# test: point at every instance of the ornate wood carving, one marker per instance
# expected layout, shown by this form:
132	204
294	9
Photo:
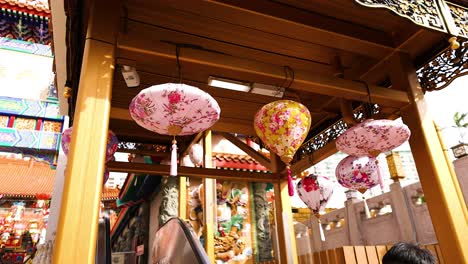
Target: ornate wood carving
132	147
422	12
460	18
446	67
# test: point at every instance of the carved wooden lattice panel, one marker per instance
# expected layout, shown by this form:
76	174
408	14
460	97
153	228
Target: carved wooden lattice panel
460	18
422	12
443	69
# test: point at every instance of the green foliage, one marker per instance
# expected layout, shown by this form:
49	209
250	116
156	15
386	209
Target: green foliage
459	119
460	123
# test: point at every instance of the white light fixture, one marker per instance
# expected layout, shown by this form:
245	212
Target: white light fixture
130	75
229	84
268	90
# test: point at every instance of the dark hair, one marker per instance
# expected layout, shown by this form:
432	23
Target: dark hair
406	253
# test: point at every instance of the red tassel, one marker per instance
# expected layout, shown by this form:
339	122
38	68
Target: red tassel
290	182
174	158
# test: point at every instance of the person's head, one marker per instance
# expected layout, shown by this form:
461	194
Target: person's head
405	253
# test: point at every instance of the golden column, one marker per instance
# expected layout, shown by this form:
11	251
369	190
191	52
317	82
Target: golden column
283	217
209	197
78	220
448	211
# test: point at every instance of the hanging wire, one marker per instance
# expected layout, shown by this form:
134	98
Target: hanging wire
292	75
179	71
368	107
286	77
288	80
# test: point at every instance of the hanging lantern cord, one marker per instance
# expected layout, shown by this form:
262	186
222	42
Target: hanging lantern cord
369	105
288	79
179	71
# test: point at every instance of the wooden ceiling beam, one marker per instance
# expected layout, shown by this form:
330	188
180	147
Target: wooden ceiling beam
304	81
271	15
264	20
197	173
154	33
225	124
249	150
127	129
161	14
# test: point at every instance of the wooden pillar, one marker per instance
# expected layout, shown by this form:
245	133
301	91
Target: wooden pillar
78	220
183	197
445	206
284	224
209	186
286	237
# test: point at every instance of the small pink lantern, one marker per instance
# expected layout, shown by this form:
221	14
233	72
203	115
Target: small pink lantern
112	143
372	137
359	174
315	191
174	109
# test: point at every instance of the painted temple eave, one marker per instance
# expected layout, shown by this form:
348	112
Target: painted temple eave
40	8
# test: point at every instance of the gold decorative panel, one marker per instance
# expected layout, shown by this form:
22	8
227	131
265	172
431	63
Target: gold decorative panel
51	126
25	123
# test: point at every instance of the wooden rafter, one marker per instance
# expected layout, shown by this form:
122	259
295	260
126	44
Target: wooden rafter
195	140
249	150
198	173
304	81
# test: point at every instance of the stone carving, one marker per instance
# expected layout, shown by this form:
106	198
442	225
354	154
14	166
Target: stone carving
262	222
422	12
443	69
170	202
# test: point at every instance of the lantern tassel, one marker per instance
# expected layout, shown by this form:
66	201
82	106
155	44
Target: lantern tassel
174	158
322	233
366	208
379	174
290	182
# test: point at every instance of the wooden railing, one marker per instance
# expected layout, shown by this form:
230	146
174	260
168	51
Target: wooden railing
357	255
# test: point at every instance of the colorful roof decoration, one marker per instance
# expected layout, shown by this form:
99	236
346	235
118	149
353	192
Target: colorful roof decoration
25	179
37	7
22	178
237	162
24	26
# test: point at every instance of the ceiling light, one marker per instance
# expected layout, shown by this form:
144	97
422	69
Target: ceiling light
130	75
229	84
268	90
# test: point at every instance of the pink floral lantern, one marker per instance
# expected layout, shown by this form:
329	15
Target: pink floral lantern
372	137
112	143
315	191
174	109
359	174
